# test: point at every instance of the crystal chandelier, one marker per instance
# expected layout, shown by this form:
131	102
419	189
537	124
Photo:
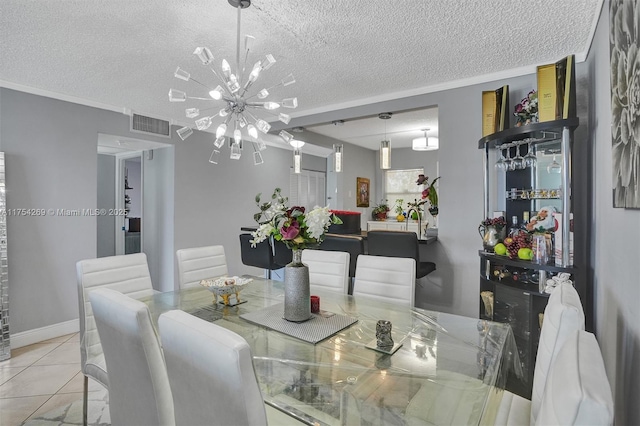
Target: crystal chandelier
239	104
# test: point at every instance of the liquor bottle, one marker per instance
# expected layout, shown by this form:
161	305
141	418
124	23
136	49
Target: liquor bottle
525	220
515	227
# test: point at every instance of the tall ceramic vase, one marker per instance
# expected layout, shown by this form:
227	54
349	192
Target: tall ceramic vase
297	302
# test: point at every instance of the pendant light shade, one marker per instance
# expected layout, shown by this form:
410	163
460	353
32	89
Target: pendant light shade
297	160
385	155
385	145
337	158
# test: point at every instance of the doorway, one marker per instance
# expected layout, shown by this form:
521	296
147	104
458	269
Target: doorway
121	193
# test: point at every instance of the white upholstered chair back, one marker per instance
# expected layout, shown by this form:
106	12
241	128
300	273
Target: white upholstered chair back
200	263
128	274
577	391
563	316
392	279
328	270
211	373
139	391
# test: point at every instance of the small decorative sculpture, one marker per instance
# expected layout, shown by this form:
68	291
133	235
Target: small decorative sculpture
383	334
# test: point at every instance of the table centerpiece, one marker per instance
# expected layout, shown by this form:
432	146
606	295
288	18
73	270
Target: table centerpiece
298	230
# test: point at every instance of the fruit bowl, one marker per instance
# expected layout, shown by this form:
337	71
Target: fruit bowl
226	286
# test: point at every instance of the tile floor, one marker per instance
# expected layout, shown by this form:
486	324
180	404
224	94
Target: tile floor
40	378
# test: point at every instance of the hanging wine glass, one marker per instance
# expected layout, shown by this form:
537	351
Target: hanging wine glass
500	163
554	167
518	161
508	161
530	159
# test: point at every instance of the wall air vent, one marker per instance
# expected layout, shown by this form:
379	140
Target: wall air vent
155	126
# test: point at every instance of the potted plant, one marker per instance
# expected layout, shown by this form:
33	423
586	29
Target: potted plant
399	211
379	212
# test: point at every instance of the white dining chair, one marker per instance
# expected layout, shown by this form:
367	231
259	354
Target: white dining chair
128	274
200	263
563	316
139	390
577	391
328	270
211	373
391	279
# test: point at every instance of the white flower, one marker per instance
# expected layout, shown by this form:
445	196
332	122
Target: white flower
261	234
317	221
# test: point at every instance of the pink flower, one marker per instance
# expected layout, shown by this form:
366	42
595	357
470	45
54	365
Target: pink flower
425	193
290	230
518	108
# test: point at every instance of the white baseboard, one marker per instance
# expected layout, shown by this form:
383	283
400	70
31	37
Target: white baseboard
29	337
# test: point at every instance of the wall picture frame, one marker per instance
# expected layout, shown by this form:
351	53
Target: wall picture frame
625	136
363	190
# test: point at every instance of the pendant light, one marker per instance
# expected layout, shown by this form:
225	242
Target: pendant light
385	145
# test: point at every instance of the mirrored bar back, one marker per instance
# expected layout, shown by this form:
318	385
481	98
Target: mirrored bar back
5	347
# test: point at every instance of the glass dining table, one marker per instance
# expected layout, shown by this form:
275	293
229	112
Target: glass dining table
450	369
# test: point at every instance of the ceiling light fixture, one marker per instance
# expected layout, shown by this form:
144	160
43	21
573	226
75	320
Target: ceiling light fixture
239	104
425	143
385	145
296	143
337	158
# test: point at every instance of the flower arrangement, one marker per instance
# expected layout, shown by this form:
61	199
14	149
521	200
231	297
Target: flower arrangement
429	195
380	210
527	110
294	226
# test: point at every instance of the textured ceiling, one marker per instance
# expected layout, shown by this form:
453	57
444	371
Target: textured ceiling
122	53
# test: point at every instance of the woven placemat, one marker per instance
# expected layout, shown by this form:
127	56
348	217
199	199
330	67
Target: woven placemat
319	327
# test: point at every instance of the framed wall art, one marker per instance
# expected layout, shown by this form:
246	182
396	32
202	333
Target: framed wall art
624	41
362	191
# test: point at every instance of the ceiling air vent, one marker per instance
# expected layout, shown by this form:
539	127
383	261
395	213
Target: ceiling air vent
155	126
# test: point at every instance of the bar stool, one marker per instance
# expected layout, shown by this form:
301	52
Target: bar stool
398	244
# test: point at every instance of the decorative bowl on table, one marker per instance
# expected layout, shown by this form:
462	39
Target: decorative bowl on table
225	287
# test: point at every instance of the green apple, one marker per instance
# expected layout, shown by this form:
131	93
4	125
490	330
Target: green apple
500	249
525	253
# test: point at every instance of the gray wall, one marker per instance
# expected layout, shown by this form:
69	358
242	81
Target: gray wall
615	240
54	166
106	198
213	202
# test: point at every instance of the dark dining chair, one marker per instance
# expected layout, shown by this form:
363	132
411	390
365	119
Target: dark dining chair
264	255
260	256
351	244
398	244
